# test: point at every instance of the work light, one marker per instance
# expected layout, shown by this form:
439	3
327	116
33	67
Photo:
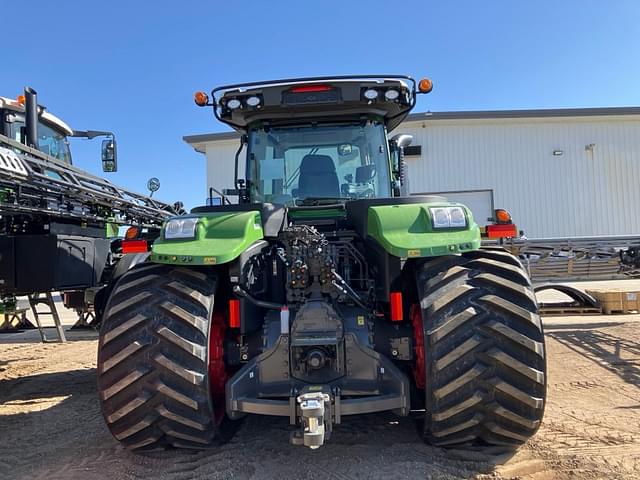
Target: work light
180	228
448	217
253	101
233	104
370	94
457	218
391	94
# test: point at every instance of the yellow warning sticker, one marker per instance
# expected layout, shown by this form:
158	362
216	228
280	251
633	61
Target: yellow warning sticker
209	260
413	253
360	320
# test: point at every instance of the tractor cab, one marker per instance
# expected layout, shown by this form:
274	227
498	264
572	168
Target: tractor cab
318	140
307	164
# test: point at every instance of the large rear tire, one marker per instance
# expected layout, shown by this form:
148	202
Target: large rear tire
484	353
153	358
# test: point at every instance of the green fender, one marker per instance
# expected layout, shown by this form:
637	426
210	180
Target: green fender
407	231
219	238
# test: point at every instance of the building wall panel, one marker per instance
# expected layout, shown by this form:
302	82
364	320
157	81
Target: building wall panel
585	191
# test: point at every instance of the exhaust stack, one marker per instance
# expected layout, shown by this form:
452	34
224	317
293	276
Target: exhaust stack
31	117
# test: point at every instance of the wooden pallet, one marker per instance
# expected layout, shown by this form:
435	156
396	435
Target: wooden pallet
617	301
550	311
608	311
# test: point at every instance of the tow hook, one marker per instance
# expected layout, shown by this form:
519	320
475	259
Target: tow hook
312	407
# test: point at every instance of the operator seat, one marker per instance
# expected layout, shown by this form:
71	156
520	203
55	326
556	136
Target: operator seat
365	173
318	177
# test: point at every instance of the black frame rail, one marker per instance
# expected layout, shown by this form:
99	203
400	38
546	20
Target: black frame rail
575	258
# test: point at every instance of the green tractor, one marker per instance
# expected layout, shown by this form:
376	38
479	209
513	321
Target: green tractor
324	292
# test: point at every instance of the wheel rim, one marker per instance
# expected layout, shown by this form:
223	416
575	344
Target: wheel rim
419	371
217	369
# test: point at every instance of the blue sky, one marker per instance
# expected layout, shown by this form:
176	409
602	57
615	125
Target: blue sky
132	67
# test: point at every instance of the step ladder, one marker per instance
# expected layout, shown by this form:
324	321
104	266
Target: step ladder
35	300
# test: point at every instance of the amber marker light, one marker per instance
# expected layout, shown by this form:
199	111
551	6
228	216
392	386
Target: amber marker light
132	233
201	99
21	99
502	216
425	85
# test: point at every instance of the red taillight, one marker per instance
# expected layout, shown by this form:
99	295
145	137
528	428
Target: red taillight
135	246
501	231
234	313
311	88
396	306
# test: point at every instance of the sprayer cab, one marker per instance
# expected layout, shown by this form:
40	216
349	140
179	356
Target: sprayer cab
29	123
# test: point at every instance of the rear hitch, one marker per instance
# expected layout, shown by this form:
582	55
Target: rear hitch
313	408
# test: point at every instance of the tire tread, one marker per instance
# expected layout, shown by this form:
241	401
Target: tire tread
152	359
485	354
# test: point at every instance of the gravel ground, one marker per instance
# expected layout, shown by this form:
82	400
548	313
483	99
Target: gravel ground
51	426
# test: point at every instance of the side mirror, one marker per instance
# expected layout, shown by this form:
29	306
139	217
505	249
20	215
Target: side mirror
398	144
153	185
109	155
402	140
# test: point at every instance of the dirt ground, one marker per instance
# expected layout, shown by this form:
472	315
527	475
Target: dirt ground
51	426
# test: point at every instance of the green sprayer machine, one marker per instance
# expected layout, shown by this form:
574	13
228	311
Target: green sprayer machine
59	224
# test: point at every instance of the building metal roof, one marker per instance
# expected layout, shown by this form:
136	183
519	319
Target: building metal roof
462	115
536	113
208	137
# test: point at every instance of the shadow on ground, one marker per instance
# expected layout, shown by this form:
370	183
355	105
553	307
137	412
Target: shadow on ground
33	336
600	347
69	440
73	382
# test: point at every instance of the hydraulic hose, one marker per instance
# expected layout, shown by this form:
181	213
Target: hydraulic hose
239	291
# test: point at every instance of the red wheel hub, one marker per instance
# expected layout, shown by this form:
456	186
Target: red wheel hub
419	371
217	369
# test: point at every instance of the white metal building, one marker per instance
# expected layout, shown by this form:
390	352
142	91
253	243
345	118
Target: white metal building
561	173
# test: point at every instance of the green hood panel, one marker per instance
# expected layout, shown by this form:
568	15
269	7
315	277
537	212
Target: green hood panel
220	238
406	231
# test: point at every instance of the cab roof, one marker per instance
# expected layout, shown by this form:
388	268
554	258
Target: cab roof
316	99
10	104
